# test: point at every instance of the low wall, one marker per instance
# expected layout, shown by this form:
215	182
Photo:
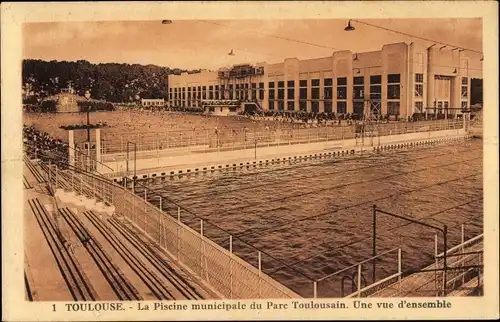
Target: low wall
194	162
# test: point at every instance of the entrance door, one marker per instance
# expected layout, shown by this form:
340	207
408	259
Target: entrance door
443	107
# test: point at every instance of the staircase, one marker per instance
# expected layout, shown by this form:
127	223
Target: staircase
82	203
74	190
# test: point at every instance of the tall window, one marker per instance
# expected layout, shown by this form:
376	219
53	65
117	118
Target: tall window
237	91
199	92
375	93
303	95
217	92
231	93
281	90
464	92
341	95
204	92
210	92
254	91
290	95
271	91
245	92
358	91
327	90
342	88
419	85
341	107
315	89
271	95
261	91
315	95
183	93
464	88
358	87
328	95
393	93
393	86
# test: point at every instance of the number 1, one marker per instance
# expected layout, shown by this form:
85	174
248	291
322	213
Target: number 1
53	307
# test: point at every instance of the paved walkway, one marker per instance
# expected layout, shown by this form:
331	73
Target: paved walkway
193	160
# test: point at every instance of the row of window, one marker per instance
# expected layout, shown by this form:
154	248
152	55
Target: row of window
393	108
153	103
242	91
328	82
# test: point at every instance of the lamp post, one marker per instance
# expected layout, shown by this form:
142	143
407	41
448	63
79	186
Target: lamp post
87	96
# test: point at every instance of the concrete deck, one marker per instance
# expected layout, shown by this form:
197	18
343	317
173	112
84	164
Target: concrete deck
46	282
192	160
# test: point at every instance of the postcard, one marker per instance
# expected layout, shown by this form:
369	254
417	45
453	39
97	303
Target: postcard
249	160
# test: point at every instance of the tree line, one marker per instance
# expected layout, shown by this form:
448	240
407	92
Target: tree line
108	81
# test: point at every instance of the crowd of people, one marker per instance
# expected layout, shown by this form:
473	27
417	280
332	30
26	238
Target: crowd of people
42	146
324	118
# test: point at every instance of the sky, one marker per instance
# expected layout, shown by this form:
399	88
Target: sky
194	44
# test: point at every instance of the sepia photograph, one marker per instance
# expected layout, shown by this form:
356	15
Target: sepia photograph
310	159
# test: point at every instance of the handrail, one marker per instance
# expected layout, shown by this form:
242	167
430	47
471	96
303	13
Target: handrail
465	243
90	157
357	264
67	159
374	284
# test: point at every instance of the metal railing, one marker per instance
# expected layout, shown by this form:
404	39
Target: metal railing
223	271
167	143
259	261
465	261
329	285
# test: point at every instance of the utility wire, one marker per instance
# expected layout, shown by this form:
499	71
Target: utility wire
417	37
272	36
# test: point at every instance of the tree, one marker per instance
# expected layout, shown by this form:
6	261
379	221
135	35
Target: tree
111	81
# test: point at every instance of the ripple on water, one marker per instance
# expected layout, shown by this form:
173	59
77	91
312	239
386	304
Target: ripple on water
317	215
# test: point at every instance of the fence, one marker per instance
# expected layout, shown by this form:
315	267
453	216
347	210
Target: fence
158	144
251	259
82	183
223	271
465	262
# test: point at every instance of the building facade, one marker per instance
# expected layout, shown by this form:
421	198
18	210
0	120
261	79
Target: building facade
399	80
152	102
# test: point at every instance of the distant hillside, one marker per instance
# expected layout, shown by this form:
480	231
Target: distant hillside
110	81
